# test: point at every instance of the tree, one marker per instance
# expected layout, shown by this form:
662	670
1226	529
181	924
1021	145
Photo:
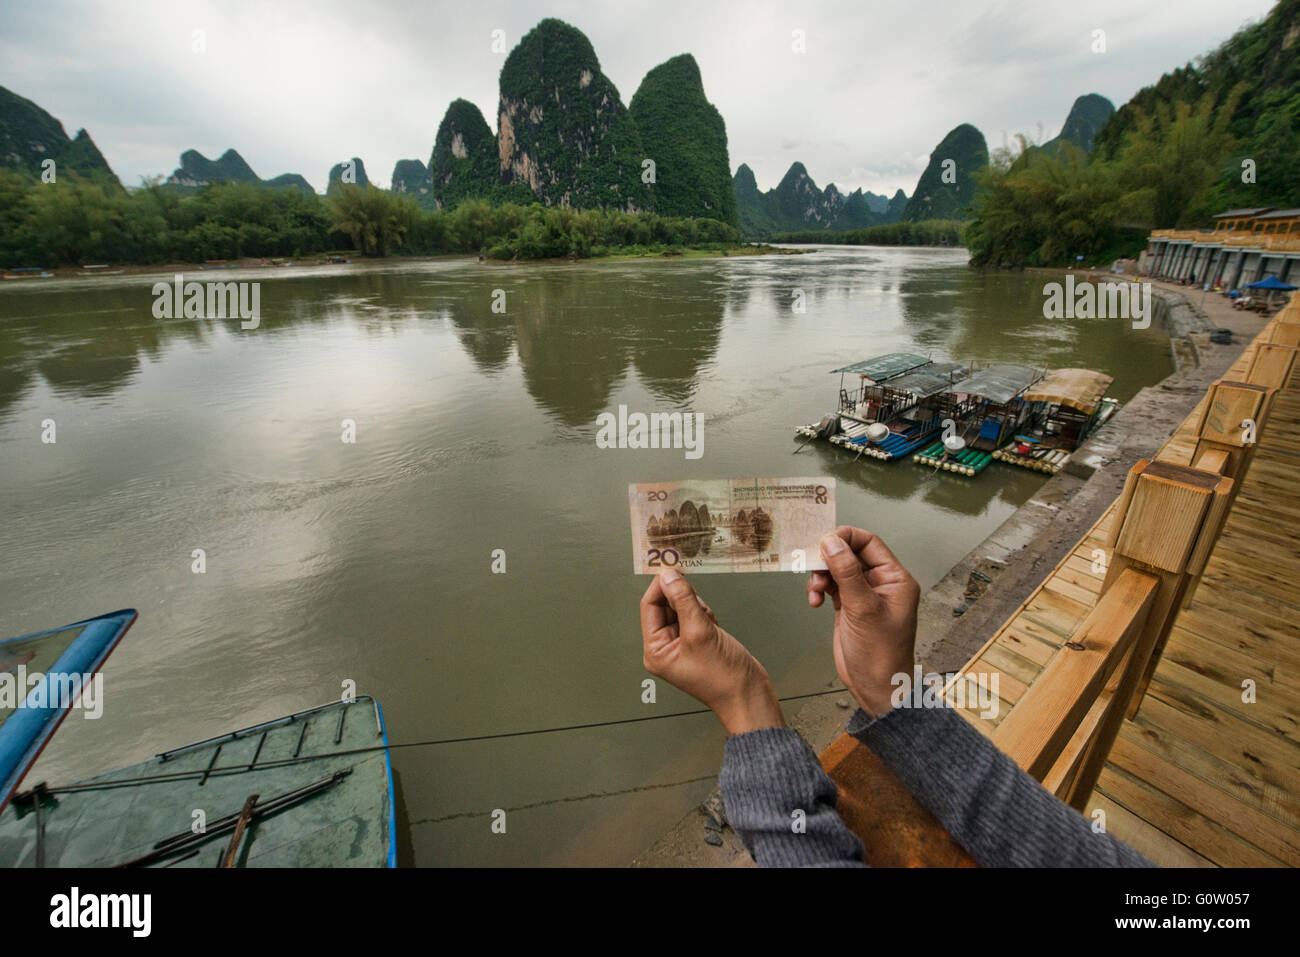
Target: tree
375	220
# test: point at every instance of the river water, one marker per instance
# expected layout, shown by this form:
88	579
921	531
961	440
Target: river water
371	562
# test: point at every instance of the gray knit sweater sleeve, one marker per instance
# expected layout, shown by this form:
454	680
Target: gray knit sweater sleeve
992	808
782	804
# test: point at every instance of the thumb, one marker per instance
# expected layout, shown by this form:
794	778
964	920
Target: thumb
688	606
849	573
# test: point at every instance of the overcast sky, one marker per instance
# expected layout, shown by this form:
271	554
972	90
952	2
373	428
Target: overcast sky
298	86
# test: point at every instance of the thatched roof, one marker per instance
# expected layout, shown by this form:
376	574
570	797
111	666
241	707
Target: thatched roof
1080	389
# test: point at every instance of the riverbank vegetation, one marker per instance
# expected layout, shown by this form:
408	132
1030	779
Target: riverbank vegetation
927	232
75	221
1220	133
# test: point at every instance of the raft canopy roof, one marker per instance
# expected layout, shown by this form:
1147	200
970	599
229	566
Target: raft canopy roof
999	383
885	367
1079	389
935	377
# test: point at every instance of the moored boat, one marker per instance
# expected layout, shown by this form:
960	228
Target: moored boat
984	410
887	416
1067	406
310	789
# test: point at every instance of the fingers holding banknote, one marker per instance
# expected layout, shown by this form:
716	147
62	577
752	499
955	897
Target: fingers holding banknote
684	645
875	601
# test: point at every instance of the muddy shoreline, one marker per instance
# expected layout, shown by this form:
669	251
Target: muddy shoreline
216	267
961	611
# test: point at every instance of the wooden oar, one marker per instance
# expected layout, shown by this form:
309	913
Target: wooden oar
237	838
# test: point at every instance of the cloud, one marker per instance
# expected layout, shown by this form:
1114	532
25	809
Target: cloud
297	86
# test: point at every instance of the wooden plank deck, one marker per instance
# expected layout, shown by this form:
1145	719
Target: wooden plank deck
1199	777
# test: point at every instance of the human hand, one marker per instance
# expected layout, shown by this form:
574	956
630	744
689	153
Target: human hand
683	644
875	603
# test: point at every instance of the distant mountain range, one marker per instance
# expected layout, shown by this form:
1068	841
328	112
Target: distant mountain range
798	204
565	138
197	171
945	190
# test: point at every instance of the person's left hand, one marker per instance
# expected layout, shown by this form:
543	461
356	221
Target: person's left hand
684	644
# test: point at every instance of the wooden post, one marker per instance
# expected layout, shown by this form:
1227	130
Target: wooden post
1271	365
1285	332
1166	521
1231	420
1227	436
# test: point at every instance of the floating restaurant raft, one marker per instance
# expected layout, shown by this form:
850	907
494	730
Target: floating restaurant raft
986	409
1017	414
889	415
1067	406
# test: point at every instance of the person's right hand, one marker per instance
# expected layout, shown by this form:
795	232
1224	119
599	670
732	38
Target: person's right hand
875	603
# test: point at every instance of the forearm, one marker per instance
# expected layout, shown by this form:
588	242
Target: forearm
782	804
991	807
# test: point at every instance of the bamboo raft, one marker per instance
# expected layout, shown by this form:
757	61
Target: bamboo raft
896	446
966	462
1039	460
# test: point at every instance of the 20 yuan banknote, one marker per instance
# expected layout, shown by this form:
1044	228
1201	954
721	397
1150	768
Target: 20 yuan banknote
731	525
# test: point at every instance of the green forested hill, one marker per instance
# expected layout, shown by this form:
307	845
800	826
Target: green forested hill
286	180
945	190
897	203
563	130
797	198
1087	116
755	218
465	162
1259	66
29	135
683	133
411	178
358	173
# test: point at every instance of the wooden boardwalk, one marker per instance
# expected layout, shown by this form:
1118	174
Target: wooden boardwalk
1199	776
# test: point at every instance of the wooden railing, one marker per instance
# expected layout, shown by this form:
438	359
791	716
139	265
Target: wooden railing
1062	728
1193	235
1269	241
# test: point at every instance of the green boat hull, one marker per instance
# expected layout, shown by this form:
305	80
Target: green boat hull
323	777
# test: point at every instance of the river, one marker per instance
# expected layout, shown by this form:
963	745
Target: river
371	562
